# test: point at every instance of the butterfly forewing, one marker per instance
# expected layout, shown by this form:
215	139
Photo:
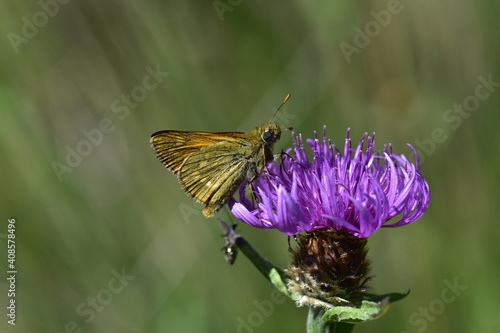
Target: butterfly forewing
173	147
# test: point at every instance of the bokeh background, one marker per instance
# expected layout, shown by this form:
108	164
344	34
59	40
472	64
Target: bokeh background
76	76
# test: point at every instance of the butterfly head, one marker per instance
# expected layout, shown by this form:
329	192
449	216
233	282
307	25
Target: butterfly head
270	133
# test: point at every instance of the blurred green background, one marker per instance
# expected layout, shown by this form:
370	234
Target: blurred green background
108	242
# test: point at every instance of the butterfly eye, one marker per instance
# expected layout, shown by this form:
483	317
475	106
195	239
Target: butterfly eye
268	136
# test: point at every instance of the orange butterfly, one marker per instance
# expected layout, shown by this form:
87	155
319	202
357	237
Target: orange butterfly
212	166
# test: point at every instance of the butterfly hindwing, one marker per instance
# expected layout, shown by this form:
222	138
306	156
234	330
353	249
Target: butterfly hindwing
208	165
214	173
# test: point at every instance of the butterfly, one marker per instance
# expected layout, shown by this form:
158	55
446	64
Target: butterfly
210	166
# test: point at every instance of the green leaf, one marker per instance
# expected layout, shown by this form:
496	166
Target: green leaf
315	323
393	297
276	277
366	312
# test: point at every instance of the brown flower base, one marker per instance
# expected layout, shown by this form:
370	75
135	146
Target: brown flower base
329	269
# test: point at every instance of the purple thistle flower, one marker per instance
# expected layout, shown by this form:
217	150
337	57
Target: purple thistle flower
356	191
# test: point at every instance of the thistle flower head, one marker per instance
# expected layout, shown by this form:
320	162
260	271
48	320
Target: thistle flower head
355	191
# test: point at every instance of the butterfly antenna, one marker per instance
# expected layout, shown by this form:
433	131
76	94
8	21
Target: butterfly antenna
275	112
